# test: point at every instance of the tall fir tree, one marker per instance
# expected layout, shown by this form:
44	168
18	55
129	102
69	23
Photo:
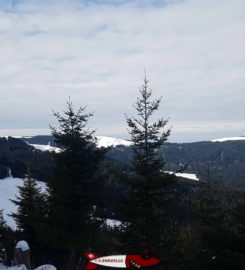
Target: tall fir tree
74	187
147	137
144	206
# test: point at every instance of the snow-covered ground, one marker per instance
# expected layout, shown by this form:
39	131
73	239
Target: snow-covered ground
3	267
22	245
242	138
112	223
22	267
9	190
46	267
190	176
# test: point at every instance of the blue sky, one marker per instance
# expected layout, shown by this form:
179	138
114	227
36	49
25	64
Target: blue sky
96	51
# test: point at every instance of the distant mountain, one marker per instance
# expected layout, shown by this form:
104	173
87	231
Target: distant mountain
102	141
221	161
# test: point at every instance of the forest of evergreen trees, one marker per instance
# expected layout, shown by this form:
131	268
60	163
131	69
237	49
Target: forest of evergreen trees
197	227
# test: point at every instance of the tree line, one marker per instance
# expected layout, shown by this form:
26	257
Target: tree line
202	228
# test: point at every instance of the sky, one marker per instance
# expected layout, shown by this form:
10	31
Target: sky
95	52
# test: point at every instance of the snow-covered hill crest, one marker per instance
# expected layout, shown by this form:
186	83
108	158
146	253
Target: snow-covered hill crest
102	141
241	138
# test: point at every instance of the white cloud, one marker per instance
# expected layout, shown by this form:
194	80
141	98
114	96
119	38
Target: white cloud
192	50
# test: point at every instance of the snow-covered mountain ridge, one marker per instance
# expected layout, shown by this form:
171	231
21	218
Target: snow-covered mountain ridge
241	138
102	141
106	141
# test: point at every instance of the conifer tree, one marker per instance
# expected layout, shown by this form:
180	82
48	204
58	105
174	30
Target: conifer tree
147	137
30	215
144	207
74	186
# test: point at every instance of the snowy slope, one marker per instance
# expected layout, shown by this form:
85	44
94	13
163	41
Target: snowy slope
9	190
101	142
242	138
44	147
190	176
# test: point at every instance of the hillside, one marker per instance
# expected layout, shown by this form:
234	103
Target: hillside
221	160
17	155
